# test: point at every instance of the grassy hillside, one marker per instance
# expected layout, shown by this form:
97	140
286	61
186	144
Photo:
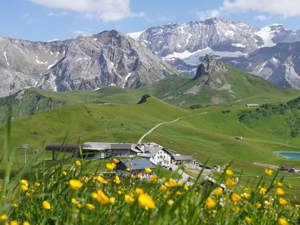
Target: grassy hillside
233	86
206	134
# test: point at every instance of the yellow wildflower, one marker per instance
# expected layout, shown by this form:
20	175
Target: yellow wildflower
100	180
85	179
248	219
262	191
163	188
282	201
26	223
102	198
90	206
3	217
14	222
116	161
140	175
14	205
75	184
153	178
279	191
24	185
210	203
230	183
75	201
171	183
110	166
170	202
279	184
77	163
128	199
139	191
112	200
46	205
117	179
185	187
218	191
257	205
268	172
94	195
235	197
246	195
146	201
148	170
229	172
283	221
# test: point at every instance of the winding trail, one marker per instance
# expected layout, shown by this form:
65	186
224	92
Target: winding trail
165	123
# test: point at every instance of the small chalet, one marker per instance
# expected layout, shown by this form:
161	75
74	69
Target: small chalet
134	166
251	105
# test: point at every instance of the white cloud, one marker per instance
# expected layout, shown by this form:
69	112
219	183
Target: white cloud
261	17
203	15
106	10
285	8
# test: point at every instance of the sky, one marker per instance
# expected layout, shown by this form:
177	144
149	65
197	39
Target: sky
45	20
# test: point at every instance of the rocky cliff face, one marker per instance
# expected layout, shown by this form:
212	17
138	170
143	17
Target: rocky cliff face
106	59
279	64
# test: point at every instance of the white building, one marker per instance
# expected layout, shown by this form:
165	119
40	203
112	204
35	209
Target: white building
162	157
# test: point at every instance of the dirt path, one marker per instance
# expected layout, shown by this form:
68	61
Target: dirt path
165	123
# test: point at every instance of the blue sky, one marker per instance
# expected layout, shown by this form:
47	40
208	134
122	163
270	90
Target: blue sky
60	19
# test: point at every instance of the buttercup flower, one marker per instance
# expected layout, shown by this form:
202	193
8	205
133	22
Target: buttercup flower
46	205
268	172
146	201
75	184
235	197
283	221
148	170
218	191
279	191
90	206
128	199
3	217
110	166
210	203
229	172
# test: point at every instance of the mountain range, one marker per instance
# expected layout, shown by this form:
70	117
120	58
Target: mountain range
105	59
133	60
269	52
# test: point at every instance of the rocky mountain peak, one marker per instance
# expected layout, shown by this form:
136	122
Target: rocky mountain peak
209	66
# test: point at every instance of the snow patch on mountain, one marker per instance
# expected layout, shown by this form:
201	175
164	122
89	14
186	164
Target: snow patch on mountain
5	56
238	45
126	79
135	35
194	58
267	35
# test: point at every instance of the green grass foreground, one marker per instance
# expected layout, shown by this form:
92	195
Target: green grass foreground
75	194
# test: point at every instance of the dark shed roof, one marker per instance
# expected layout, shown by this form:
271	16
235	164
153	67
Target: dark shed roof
62	148
120	146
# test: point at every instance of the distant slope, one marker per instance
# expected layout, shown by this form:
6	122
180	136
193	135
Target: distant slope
219	86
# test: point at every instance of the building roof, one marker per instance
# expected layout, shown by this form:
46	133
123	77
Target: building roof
183	157
137	164
100	146
96	146
62	147
120	146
